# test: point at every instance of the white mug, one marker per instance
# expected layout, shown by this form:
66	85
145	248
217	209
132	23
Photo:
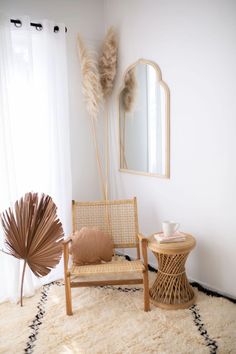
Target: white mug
169	228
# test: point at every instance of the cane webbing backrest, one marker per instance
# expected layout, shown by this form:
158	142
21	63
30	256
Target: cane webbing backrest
117	218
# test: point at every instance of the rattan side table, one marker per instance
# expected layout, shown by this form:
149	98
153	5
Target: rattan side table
171	289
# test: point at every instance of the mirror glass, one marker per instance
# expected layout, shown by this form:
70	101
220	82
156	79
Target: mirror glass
144	121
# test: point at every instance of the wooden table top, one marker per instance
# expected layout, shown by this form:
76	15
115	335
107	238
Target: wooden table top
173	247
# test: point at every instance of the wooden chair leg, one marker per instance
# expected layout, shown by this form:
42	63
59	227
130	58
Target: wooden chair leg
144	243
146	291
67	277
68	296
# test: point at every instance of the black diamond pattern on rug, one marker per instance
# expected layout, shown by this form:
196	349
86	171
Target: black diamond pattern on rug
37	321
211	343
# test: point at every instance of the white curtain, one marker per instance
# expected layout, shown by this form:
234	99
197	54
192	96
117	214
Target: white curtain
34	131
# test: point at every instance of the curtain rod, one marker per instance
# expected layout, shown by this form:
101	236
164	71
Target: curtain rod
38	26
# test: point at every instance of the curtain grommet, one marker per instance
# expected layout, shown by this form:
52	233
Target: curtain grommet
38	27
17	23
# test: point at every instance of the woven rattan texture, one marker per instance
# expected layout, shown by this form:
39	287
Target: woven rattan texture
111	267
171	285
116	218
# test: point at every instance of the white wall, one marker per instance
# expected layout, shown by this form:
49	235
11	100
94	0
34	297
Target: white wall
87	18
194	43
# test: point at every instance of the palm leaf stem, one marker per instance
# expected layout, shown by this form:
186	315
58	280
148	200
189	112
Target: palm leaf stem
22	282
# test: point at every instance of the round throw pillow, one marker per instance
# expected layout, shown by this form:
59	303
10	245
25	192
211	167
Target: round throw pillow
91	246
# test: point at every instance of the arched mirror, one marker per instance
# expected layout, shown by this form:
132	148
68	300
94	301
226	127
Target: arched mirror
144	121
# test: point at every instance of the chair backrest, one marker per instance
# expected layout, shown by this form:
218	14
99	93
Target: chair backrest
118	218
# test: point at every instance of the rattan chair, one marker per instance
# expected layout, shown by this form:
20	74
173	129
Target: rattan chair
119	219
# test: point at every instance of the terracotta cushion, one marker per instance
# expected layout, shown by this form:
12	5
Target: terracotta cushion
91	246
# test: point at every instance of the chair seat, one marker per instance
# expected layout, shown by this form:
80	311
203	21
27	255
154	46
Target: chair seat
109	267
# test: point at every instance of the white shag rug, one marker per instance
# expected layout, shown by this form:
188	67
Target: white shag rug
111	320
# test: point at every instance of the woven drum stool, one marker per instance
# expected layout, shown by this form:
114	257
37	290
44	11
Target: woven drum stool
171	289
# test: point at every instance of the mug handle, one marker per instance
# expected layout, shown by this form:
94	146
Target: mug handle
177	227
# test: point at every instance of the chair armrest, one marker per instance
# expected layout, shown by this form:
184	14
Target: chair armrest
67	240
142	237
144	243
65	244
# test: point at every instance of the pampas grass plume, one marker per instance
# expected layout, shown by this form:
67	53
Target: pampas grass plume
91	86
108	62
129	91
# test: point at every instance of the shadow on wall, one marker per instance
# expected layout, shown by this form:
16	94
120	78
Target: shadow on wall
204	259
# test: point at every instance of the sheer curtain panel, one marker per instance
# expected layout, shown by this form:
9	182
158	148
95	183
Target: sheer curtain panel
34	131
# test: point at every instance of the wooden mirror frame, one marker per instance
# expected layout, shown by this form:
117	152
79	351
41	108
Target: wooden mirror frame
167	121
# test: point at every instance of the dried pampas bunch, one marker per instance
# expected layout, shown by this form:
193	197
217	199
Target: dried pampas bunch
107	70
92	91
108	62
129	91
34	233
91	86
98	80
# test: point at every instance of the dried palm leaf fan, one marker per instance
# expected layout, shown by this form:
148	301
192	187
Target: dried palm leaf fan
107	70
34	233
